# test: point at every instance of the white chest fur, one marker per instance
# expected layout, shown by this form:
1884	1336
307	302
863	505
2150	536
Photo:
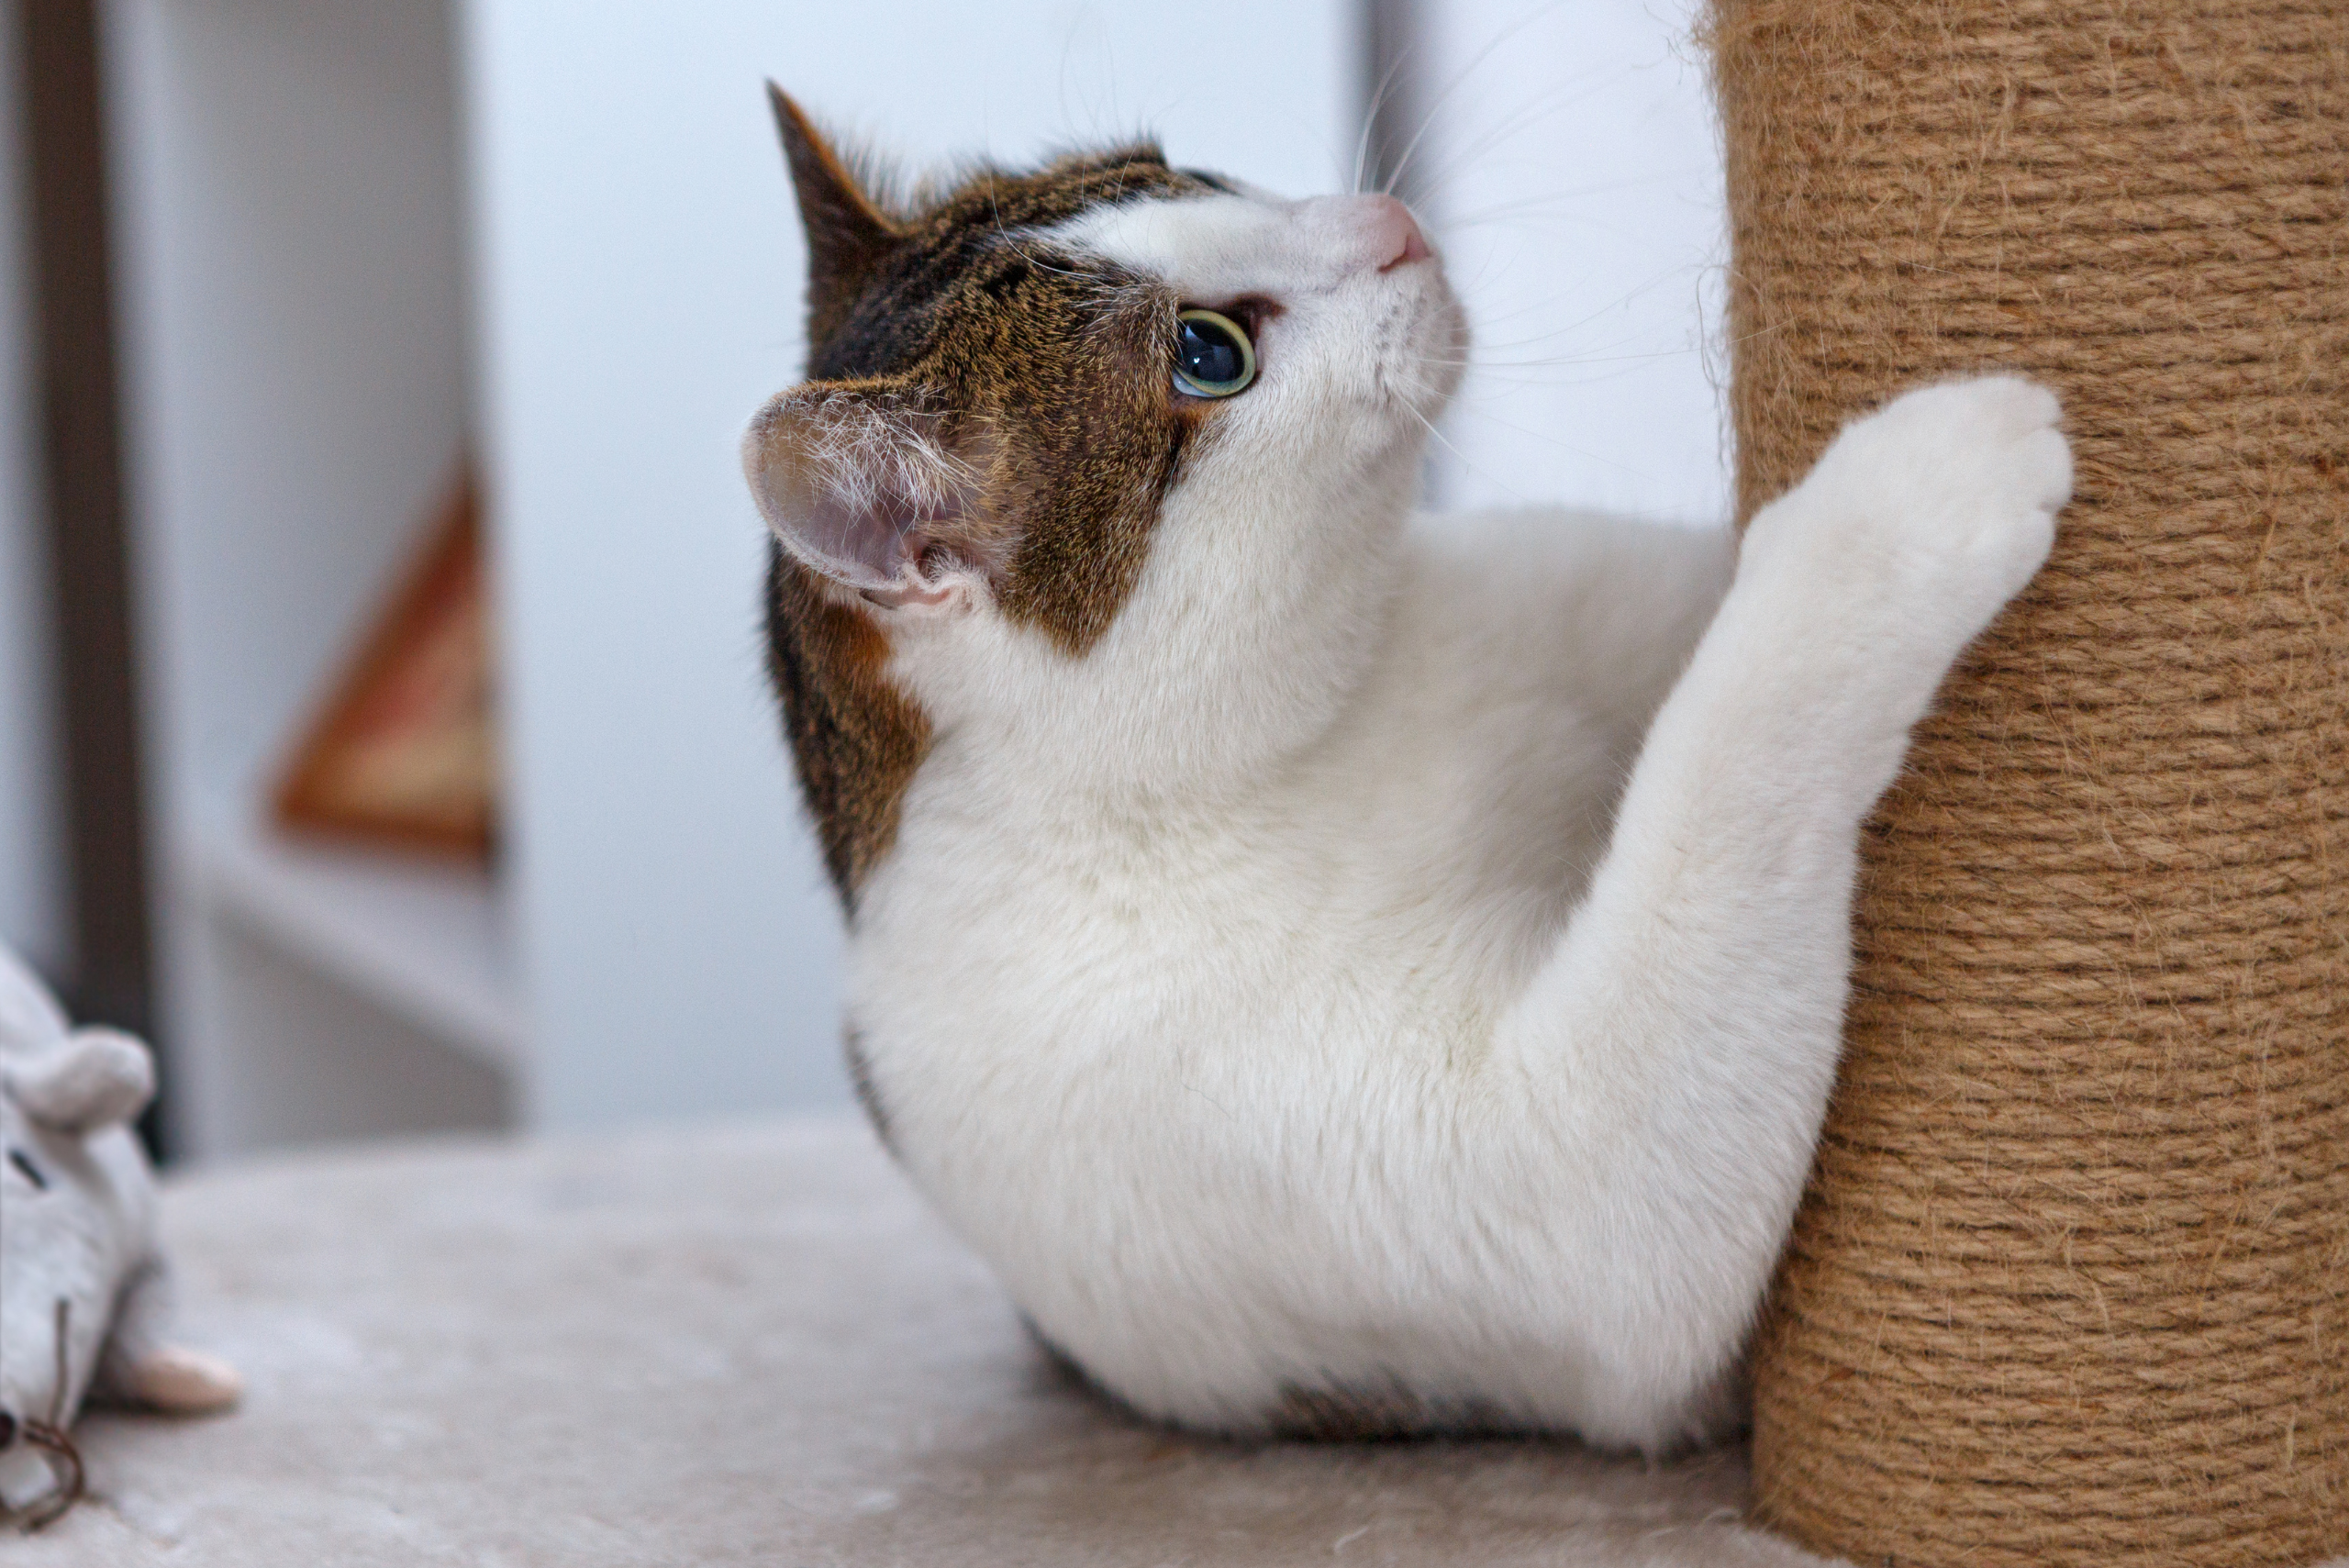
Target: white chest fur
1210	1082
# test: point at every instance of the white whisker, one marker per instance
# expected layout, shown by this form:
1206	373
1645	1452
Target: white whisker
1459	79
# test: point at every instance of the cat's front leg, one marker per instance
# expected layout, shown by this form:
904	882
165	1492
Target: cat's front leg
1679	1046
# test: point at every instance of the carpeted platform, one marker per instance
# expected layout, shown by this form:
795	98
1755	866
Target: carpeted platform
747	1346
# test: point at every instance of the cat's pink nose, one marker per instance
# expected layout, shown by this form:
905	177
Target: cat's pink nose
1396	234
1365	232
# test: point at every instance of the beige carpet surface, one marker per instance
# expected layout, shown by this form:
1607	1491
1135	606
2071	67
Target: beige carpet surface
747	1346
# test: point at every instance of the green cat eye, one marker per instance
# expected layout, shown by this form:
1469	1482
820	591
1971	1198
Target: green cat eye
1213	357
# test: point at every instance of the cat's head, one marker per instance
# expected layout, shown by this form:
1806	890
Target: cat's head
1107	423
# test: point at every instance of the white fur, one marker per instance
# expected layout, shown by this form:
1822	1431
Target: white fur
1412	961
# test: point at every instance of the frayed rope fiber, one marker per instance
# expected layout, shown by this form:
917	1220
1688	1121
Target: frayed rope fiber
2071	1283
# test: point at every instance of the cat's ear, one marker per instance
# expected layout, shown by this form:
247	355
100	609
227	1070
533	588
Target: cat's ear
848	236
862	486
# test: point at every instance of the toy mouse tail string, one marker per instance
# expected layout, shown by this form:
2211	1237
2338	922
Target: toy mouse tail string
65	1464
56	1446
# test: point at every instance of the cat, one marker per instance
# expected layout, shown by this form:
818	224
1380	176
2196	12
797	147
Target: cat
1348	978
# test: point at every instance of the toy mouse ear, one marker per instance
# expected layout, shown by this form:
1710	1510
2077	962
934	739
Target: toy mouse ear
97	1078
862	486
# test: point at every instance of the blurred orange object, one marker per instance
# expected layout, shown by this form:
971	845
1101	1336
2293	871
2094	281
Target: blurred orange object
404	754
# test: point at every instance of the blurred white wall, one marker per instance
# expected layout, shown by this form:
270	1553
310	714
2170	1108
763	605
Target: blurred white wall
292	286
639	278
292	282
33	914
1571	170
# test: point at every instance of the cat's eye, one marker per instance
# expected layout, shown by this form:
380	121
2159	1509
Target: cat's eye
1213	357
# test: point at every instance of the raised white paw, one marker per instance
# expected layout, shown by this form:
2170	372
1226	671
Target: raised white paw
1928	515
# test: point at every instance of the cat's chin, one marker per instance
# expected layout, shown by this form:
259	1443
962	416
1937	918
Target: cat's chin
1421	378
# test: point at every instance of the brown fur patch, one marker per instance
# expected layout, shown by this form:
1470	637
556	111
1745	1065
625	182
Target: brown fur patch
1062	365
855	740
1380	1414
1054	370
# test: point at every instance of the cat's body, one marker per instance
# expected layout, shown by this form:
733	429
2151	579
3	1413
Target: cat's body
1213	1080
1346	979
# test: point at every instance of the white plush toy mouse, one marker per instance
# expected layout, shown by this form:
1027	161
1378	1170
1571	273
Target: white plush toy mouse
83	1295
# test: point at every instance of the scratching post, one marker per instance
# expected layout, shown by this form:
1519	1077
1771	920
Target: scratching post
2071	1283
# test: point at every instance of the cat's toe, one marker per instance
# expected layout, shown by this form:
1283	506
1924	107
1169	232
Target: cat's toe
2002	469
2044	468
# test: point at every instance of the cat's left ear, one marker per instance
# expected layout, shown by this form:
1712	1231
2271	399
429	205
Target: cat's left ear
864	487
848	235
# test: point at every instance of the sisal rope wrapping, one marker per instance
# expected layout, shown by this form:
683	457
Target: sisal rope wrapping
2071	1283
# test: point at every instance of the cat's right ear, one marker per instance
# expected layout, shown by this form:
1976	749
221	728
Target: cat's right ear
848	236
862	486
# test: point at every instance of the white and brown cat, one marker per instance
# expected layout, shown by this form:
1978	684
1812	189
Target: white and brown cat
1347	977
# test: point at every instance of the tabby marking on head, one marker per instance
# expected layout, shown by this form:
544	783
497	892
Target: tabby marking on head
1013	394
